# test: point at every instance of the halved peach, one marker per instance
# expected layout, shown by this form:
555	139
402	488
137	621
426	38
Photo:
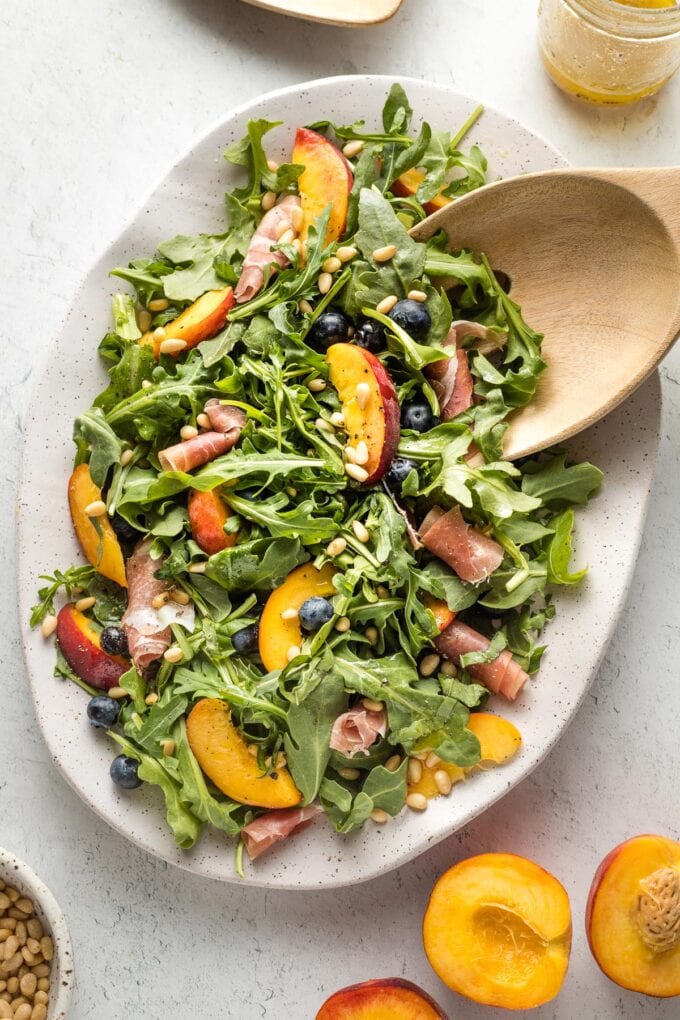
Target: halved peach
102	548
326	180
201	320
497	929
371	415
633	915
381	999
408	184
79	643
223	755
443	616
277	635
207	516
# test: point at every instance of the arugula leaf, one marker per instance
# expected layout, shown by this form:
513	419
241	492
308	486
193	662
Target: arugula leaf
124	318
260	565
555	484
378	227
309	727
92	434
558	551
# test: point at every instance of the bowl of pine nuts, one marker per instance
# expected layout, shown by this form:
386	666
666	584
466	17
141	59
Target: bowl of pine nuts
36	958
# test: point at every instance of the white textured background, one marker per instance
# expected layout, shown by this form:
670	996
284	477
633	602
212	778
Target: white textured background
98	98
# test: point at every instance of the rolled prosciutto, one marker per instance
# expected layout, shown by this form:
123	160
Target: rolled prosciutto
227	423
148	637
502	676
267	830
451	380
471	553
356	731
259	254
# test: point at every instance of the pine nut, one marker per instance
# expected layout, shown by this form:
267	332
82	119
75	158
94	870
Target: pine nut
415	770
332	264
416	801
116	693
47	947
349	773
28	956
387	304
393	763
448	668
363	394
337	419
361	531
292	491
343	624
353	148
273	166
324	283
382	592
287	237
11	946
13	894
323	425
125	457
305	307
35	929
281	229
385	254
348	455
182	598
379	816
47	629
172	346
443	782
96	508
174	654
429	665
372	706
11	965
40	997
361	454
371	634
23	1012
297	218
143	320
203	421
159	334
297	245
359	474
146	384
43	980
289	614
158	601
39	1012
197	568
336	547
417	295
6	1011
158	304
151	698
188	432
432	760
293	652
316	385
268	200
168	747
346	253
252	750
83	604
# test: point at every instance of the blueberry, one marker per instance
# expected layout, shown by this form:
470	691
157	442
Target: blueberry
246	641
370	335
123	771
314	613
417	415
124	530
114	640
412	316
102	712
332	327
398	472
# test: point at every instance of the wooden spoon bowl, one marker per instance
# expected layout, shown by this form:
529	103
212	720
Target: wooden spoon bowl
594	260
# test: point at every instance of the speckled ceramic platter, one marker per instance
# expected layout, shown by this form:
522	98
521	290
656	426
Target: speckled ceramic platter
347	13
189	200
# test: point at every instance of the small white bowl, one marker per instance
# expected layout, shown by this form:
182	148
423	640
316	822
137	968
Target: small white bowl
14	872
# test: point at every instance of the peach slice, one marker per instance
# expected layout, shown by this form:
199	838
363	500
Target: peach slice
408	184
103	550
207	516
371	415
277	635
497	929
381	999
79	643
223	755
326	180
633	916
443	616
201	320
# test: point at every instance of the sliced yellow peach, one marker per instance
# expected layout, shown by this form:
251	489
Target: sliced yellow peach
201	320
278	635
103	549
223	755
497	929
207	516
79	642
326	181
408	184
443	616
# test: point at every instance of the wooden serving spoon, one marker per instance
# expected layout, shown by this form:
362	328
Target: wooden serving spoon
349	13
594	261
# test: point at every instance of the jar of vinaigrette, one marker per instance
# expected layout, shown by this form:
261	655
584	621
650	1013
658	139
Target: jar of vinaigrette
610	51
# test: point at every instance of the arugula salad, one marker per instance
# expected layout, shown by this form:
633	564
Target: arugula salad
309	565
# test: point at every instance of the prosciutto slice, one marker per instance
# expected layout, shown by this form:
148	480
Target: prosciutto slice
451	380
267	830
147	636
354	732
227	422
259	254
502	676
472	554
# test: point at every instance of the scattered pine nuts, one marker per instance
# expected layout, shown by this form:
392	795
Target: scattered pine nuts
332	264
143	320
297	218
158	304
337	419
203	421
361	454
289	614
151	698
429	664
336	547
83	604
353	148
316	385
197	568
168	747
387	304
393	763
48	626
343	624
448	668
361	531
305	307
348	455
125	457
379	816
268	200
443	782
287	237
346	253
415	770
159	334
371	634
324	283
96	508
417	801
372	706
188	432
25	955
432	760
182	598
417	295
172	346
174	654
349	773
363	394
117	693
323	425
158	601
356	472
385	254
293	652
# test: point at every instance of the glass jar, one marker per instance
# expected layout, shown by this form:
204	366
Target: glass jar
609	51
